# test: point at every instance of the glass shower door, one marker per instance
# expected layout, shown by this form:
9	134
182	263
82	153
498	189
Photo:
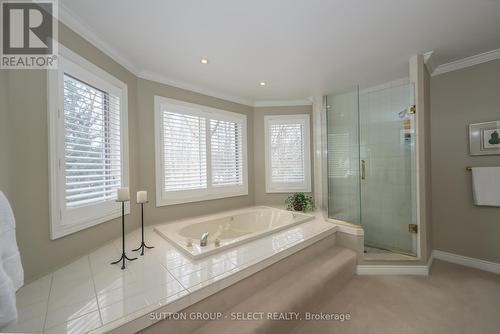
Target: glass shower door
343	156
388	168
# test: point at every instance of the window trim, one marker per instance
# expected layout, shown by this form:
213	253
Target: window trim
164	198
272	187
71	63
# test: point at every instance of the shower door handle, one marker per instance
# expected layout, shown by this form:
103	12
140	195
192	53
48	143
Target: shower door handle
363	169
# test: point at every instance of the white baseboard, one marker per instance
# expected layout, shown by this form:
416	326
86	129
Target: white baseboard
467	261
392	270
374	269
424	269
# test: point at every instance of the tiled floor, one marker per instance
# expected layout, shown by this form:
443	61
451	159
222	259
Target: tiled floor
90	293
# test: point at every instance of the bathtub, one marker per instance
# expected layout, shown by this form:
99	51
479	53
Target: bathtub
231	228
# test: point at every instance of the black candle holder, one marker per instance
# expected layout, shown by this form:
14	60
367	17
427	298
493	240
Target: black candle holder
124	256
143	244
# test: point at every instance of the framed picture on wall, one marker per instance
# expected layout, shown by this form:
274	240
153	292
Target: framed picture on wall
484	138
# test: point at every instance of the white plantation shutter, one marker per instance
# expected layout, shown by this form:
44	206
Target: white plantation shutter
91	144
200	152
88	139
287	153
184	151
227	153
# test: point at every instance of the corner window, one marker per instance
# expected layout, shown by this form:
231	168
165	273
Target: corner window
200	153
88	144
287	156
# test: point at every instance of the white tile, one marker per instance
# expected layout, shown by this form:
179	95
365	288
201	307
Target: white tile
143	260
126	291
185	269
155	239
194	278
153	275
122	308
217	257
112	278
174	303
71	293
221	267
204	289
163	291
102	257
243	255
31	311
70	312
172	263
162	277
168	254
77	270
79	325
131	242
33	325
34	292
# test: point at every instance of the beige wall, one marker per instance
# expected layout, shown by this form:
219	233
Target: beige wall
5	140
24	159
458	98
146	92
261	197
28	189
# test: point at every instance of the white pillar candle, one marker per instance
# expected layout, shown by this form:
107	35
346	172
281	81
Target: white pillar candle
142	196
122	194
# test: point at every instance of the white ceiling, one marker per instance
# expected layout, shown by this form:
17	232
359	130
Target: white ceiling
300	48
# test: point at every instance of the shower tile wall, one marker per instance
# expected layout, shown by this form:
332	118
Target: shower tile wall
386	192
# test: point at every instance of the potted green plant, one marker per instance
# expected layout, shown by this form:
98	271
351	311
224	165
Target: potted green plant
299	202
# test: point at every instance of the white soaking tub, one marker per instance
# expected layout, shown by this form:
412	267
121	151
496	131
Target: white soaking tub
231	228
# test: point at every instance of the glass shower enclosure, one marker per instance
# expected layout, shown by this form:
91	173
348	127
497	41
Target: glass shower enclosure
371	164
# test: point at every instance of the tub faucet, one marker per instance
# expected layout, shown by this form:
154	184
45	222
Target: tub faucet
204	239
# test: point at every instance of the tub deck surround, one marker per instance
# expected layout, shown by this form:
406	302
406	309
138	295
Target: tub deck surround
231	228
90	295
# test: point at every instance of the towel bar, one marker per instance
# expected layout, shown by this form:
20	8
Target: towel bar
468	168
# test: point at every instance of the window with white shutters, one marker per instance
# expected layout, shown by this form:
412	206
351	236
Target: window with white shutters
184	151
92	164
288	161
200	152
88	144
227	152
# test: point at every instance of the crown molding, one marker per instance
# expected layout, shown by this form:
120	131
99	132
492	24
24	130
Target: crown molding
284	103
467	62
70	20
147	75
429	61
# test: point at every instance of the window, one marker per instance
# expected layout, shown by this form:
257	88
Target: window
88	144
288	161
200	153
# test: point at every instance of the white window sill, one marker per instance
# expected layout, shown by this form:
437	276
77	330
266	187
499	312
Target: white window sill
204	197
61	230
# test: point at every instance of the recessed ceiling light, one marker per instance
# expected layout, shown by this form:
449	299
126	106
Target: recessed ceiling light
262	83
204	61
